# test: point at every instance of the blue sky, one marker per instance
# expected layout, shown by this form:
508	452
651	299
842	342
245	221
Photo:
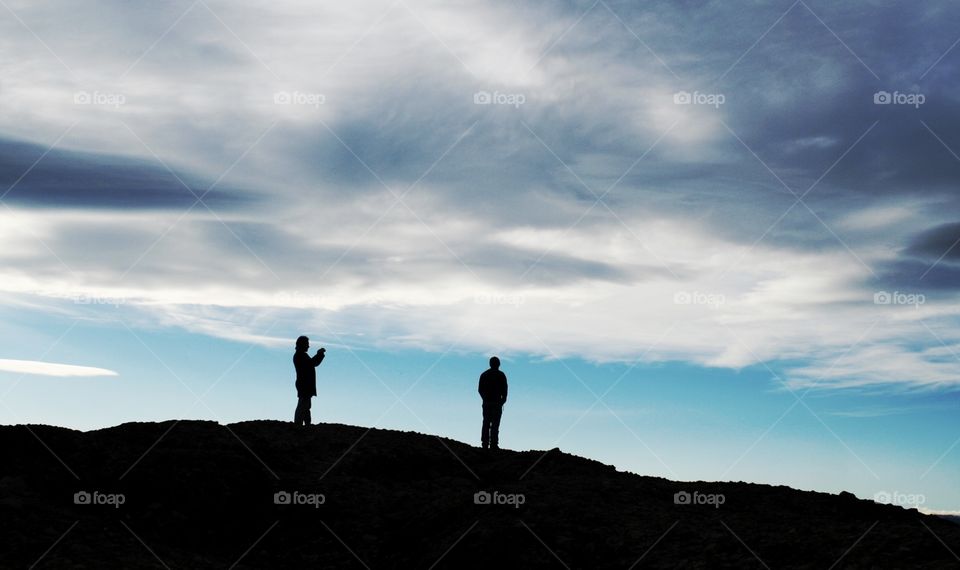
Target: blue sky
737	204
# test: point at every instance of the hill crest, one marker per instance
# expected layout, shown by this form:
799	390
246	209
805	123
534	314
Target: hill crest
266	493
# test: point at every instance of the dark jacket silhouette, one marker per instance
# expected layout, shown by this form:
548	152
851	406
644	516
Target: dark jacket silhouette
493	386
306	366
493	391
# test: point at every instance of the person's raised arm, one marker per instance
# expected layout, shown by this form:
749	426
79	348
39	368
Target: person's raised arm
318	357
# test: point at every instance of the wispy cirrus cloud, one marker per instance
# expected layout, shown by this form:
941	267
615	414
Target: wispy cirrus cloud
41	368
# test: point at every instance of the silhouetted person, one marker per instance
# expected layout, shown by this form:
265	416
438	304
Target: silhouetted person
493	390
306	379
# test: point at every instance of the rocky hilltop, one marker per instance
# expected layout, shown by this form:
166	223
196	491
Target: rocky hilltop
264	494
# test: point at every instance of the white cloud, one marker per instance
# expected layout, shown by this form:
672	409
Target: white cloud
927	511
51	368
737	305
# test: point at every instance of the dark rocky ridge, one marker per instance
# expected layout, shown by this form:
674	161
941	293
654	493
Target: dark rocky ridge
201	498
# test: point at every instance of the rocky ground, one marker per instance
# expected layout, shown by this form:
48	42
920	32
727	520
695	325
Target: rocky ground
265	494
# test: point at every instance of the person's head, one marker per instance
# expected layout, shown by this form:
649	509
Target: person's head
494	363
303	343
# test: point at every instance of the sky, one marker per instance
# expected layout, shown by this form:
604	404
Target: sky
709	240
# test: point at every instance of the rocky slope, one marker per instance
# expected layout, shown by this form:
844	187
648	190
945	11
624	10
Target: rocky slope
265	494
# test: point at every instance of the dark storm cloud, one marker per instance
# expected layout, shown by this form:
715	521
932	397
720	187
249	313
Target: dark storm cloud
929	263
939	243
925	277
71	179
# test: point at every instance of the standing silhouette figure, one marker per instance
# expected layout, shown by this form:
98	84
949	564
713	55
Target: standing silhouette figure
493	391
306	379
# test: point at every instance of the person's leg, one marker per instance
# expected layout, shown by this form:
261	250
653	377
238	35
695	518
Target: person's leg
302	415
306	414
485	433
497	412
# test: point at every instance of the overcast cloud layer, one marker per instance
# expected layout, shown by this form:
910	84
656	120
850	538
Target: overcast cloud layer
777	182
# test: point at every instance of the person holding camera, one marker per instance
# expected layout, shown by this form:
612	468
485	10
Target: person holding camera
493	392
306	379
